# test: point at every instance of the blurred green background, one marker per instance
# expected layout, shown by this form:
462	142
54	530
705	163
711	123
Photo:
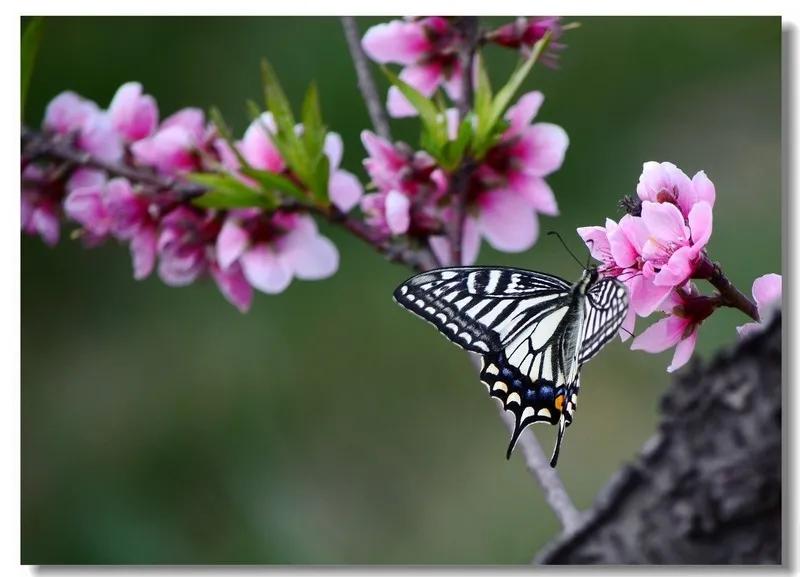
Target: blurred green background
328	425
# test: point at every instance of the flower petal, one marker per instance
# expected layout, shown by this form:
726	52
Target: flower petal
396	41
536	191
523	112
678	268
398	215
233	286
597	242
542	148
231	242
767	290
264	270
313	259
143	252
507	222
645	296
133	115
703	189
257	147
664	222
344	190
683	352
333	149
660	336
700	224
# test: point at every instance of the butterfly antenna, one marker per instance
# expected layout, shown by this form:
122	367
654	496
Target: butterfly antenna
514	437
557	448
572	254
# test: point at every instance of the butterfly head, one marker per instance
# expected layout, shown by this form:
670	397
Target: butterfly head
589	277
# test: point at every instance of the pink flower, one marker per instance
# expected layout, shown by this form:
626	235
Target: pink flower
133	219
344	189
767	294
39	209
85	202
427	47
133	115
173	147
71	115
510	182
233	285
271	251
67	113
410	187
672	249
666	183
257	147
687	310
525	32
181	245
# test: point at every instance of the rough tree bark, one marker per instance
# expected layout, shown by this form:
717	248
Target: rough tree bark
706	488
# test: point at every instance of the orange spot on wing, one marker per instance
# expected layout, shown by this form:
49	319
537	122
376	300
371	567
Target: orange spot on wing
559	402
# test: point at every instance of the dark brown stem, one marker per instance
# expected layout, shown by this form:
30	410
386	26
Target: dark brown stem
729	295
37	145
365	81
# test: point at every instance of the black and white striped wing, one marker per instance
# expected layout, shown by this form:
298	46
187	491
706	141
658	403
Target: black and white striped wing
482	309
606	309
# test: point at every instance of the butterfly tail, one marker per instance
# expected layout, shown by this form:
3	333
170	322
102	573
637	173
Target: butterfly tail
557	448
514	437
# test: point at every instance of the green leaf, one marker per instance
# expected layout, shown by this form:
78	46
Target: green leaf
321	176
253	110
313	129
270	182
454	150
432	120
507	92
31	38
483	97
225	191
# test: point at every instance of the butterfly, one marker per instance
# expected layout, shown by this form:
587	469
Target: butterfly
534	332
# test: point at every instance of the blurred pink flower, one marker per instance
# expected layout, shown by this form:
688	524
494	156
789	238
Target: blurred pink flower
233	285
767	294
133	115
271	251
39	210
524	32
666	183
427	48
410	186
86	204
172	149
133	218
509	185
686	309
67	113
181	245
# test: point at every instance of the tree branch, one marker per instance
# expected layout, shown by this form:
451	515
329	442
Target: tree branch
365	81
706	488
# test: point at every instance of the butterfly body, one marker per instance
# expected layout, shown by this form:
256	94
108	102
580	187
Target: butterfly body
533	331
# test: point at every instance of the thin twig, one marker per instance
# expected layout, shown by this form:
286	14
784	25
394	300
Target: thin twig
365	82
459	183
729	295
555	493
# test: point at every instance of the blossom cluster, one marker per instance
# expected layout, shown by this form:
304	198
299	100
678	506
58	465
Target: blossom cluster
241	249
505	192
428	49
658	250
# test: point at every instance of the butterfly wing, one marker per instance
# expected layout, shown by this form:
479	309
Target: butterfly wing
606	309
525	324
481	308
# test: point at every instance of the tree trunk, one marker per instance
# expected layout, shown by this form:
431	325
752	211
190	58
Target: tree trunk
706	488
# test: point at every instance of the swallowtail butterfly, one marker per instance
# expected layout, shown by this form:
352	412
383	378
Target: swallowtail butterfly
534	332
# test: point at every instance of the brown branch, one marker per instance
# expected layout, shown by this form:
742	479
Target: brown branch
37	145
365	81
706	488
728	294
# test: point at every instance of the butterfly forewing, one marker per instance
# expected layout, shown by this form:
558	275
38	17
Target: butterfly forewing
479	308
